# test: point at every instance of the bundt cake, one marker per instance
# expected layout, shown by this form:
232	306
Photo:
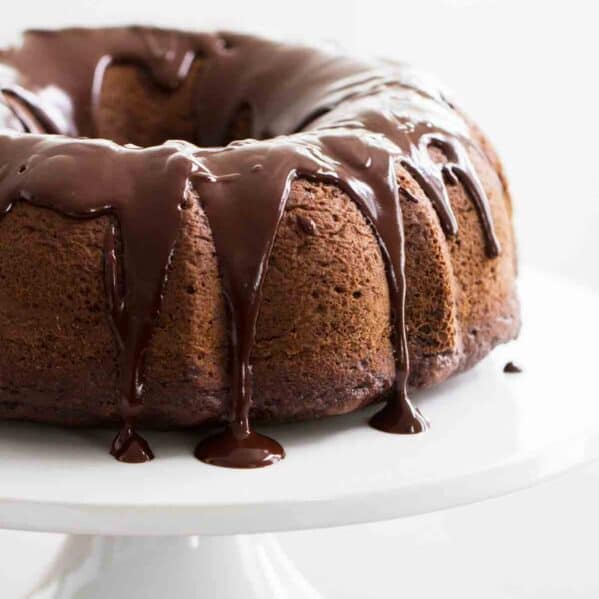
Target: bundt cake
327	232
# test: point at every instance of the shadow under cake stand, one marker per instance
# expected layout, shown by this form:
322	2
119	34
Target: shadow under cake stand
176	527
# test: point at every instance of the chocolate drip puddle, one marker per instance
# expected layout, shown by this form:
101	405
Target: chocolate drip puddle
373	117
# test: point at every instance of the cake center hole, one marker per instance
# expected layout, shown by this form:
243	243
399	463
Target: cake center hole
134	109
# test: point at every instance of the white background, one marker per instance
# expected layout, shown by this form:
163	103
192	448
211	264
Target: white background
527	72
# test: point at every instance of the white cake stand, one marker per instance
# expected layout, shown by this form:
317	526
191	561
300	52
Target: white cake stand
153	530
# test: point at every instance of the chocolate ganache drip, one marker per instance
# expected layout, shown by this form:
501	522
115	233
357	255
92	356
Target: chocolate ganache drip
143	190
314	114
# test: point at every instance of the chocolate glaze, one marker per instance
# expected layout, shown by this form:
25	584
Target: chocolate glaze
233	448
55	172
314	114
129	447
512	368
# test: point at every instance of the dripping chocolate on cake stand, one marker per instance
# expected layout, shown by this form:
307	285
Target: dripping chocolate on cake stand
337	120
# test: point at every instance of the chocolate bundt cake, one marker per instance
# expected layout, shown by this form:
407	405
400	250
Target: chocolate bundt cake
327	233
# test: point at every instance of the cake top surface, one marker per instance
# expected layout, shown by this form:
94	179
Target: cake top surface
286	86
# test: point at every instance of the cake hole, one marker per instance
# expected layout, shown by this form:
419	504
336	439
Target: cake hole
135	107
357	294
190	289
22	169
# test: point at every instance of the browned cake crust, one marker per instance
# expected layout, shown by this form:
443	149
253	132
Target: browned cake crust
323	335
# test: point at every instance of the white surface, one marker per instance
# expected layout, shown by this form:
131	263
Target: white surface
538	543
160	567
491	433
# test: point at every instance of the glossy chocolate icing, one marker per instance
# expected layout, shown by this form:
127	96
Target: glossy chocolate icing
315	114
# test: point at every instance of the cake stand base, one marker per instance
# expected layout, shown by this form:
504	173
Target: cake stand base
226	567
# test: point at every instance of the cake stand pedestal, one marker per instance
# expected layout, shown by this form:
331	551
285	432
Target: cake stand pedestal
176	527
132	567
